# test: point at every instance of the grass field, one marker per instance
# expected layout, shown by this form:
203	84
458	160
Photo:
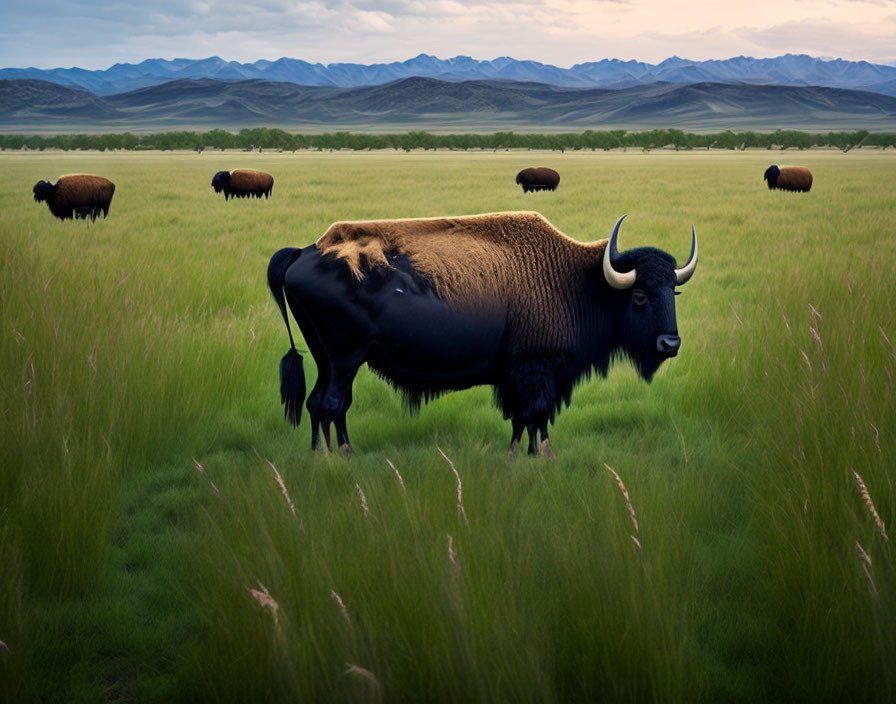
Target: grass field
149	553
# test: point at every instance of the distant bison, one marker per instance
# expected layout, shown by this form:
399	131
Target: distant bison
76	196
538	179
243	183
790	178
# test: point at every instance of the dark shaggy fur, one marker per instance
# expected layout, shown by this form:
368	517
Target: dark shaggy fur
538	179
243	183
788	178
436	304
76	196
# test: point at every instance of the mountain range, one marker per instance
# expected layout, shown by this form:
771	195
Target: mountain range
789	69
28	105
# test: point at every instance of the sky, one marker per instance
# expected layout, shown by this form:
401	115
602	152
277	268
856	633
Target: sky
95	34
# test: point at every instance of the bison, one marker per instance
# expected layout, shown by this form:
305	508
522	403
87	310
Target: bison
76	196
538	179
243	183
789	178
438	304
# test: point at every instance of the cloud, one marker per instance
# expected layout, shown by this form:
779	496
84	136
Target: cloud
819	37
96	34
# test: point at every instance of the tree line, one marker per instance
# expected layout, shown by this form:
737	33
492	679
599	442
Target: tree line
277	139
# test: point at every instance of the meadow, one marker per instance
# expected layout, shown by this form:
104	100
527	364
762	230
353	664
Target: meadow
166	536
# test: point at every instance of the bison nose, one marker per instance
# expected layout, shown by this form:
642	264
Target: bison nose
668	344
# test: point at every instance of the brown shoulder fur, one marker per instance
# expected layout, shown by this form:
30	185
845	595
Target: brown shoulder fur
795	178
546	175
514	261
250	181
82	190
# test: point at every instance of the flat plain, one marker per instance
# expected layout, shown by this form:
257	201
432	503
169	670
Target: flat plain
166	536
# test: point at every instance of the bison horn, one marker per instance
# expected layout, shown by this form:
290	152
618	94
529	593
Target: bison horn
620	280
685	273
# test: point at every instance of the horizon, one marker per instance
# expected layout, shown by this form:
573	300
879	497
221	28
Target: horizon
449	58
92	35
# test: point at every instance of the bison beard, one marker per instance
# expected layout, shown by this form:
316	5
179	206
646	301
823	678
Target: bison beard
440	304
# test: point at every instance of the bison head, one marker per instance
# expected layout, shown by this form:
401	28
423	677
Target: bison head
645	279
221	182
771	175
43	190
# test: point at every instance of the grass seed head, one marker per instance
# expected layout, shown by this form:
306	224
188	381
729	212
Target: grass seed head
282	487
338	600
363	498
452	556
397	474
866	498
628	503
361	672
460	494
265	600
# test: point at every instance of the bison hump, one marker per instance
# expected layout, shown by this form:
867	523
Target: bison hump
432	242
469	260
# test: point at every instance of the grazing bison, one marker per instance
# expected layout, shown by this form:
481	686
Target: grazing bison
503	299
538	179
76	196
789	178
243	183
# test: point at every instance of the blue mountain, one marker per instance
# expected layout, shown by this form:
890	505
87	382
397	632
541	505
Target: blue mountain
790	69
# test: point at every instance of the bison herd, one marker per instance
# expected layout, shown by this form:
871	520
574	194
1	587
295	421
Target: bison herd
87	195
439	304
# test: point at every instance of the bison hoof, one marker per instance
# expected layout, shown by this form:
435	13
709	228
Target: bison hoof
345	450
514	447
546	450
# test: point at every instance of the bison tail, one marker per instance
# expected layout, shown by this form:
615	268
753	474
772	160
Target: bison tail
292	376
292	386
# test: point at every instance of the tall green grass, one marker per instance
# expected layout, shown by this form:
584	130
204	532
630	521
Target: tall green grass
139	509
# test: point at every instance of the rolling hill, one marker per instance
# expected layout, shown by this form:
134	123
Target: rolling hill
427	103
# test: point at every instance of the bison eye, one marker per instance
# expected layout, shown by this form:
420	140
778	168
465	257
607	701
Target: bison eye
640	297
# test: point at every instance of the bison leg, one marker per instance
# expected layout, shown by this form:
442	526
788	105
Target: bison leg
339	422
546	450
532	394
324	430
315	401
337	400
533	439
